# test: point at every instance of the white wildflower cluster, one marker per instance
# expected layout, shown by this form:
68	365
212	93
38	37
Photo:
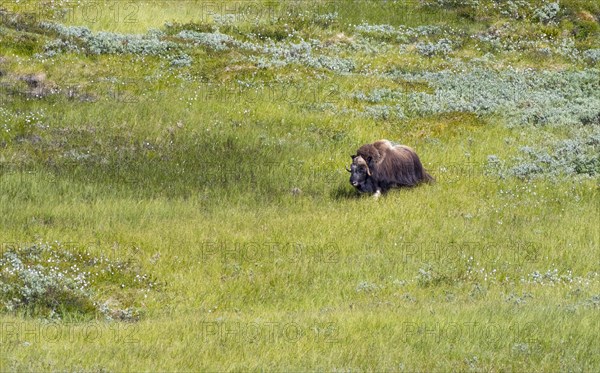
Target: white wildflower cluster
49	279
400	34
554	277
32	286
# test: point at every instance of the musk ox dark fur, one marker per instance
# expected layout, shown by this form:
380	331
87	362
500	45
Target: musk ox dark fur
383	165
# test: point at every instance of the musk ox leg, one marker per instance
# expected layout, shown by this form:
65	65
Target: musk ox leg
377	194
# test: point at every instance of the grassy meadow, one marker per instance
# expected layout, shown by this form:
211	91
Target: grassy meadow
173	194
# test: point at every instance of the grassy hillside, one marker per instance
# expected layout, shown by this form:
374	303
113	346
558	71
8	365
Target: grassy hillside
172	184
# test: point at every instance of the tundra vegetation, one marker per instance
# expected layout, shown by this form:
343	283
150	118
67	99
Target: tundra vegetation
172	184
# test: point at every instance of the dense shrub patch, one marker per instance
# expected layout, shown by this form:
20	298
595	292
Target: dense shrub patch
109	42
54	281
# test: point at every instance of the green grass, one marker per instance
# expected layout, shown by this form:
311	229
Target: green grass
190	176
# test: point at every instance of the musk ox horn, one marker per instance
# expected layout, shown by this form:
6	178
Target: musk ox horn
359	159
347	169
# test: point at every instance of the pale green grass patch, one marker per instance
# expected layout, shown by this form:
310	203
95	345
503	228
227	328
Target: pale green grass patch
226	182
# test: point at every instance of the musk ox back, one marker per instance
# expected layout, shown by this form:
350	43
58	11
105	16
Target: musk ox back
383	165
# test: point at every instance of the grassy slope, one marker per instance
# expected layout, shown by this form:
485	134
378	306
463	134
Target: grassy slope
260	279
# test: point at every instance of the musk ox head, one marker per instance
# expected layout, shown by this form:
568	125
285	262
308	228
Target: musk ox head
360	175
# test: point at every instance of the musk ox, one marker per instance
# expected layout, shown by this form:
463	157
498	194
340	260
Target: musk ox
383	165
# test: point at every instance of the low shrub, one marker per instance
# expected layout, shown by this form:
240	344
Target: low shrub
53	281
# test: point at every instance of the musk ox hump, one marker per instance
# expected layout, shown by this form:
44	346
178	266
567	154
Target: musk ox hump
393	164
398	167
374	153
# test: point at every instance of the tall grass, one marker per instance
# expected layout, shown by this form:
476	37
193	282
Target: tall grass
222	178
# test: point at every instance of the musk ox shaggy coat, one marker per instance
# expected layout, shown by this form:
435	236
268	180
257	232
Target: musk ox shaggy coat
382	165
